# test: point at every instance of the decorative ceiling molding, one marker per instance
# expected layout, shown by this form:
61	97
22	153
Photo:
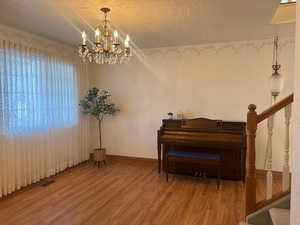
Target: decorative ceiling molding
217	48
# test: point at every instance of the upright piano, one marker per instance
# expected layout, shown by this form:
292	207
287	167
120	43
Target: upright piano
227	138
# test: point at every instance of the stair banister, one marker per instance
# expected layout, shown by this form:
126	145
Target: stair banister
275	108
253	119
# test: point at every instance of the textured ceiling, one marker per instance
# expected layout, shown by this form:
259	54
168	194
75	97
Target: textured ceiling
150	23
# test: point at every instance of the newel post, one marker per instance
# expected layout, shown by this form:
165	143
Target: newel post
250	192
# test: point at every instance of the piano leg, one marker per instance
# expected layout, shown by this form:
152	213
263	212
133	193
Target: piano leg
167	169
159	157
219	177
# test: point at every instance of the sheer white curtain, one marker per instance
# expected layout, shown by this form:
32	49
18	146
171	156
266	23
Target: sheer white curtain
42	131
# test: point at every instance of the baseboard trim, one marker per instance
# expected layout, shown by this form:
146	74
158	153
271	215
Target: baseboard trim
131	157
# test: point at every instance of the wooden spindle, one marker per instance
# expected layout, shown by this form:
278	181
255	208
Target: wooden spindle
250	193
269	158
273	101
286	167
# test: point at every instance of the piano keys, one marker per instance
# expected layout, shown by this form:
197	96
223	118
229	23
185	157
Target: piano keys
227	138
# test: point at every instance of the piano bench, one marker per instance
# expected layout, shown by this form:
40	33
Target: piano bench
203	159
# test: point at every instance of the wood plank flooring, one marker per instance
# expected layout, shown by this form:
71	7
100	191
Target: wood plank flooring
125	192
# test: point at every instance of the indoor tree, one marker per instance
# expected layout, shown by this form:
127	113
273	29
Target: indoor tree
96	103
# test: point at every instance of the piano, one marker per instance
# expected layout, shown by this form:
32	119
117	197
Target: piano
227	138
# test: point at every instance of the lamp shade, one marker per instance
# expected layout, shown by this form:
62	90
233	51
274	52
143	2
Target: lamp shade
276	83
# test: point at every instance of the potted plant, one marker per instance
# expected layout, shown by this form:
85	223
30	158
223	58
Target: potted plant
96	103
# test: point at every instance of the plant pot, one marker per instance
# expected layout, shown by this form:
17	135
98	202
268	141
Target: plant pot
99	155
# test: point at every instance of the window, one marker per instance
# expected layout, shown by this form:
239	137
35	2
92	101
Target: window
36	92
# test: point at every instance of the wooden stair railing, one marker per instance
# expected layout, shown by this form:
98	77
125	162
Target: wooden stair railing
253	119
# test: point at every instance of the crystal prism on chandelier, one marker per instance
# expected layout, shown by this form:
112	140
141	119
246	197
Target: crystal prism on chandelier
107	49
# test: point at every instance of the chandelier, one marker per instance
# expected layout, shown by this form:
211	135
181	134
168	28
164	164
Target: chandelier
107	48
276	80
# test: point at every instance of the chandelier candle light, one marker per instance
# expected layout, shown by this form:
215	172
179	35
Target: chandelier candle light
107	49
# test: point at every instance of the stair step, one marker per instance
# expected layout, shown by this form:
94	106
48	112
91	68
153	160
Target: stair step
280	216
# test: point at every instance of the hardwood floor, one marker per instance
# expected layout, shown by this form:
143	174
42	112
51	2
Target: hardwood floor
125	192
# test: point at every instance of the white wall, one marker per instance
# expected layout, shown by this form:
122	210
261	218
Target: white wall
216	81
295	207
